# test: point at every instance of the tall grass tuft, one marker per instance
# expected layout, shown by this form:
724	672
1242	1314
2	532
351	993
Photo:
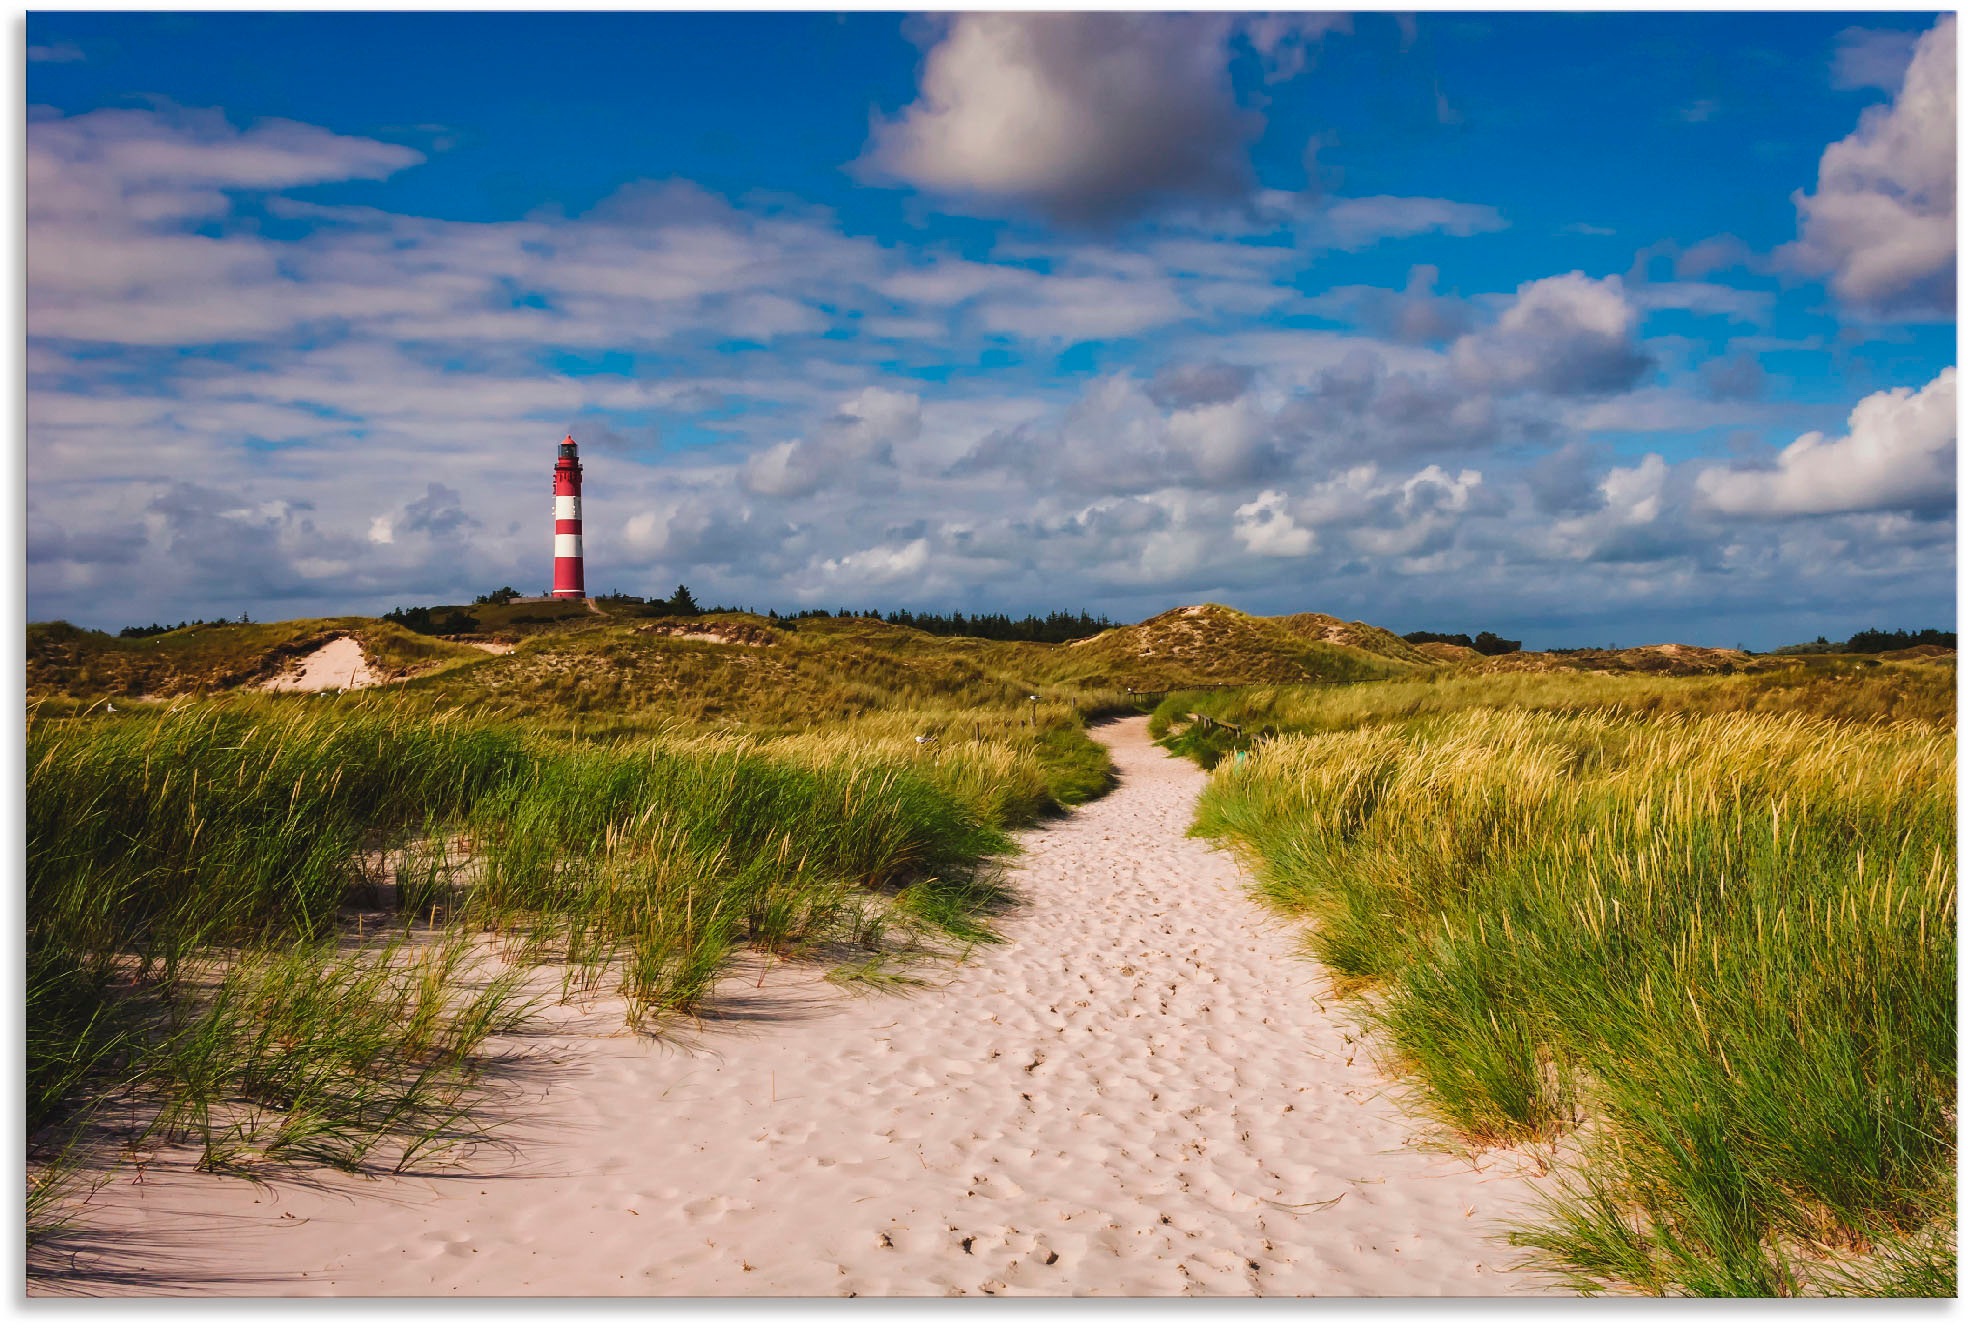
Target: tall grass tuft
666	860
1726	939
191	876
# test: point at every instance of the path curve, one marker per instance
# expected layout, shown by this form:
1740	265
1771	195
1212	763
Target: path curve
1140	1093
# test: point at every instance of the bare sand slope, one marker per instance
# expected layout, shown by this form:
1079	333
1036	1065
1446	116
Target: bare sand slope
338	664
1139	1094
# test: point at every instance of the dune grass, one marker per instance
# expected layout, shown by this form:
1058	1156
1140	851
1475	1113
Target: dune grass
1860	690
193	874
65	661
1723	939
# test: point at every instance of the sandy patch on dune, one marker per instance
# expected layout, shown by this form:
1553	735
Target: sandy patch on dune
338	664
727	634
1145	1091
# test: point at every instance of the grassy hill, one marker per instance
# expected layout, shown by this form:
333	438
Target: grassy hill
577	659
734	668
63	659
1206	644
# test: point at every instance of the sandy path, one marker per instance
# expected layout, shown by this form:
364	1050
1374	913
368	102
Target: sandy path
338	664
1138	1094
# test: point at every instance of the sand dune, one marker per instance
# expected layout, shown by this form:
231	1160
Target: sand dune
1141	1093
338	664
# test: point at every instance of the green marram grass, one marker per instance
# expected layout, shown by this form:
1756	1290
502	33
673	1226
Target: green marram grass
1721	936
194	870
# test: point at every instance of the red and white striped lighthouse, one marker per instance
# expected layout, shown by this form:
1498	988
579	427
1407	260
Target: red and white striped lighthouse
567	582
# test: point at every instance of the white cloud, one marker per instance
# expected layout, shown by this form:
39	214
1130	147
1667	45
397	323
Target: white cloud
1633	493
1084	115
1268	531
1567	335
882	565
1355	223
1898	454
861	437
440	346
1227	441
1882	222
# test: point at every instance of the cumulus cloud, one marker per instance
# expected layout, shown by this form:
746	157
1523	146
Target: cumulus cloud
1087	117
1206	384
439	513
882	565
1567	335
1566	482
1268	531
1372	403
1881	225
1226	441
361	334
858	439
695	526
1641	520
1398	519
1898	454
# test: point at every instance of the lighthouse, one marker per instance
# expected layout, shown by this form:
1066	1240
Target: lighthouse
567	581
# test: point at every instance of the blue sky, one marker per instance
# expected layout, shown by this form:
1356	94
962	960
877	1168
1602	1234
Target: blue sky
1576	327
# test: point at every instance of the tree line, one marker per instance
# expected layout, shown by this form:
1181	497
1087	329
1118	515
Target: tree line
1483	643
158	629
1872	641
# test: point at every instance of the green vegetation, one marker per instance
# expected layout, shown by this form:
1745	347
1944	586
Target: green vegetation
193	878
283	927
71	662
1875	641
1056	627
1210	644
286	927
1711	919
1483	643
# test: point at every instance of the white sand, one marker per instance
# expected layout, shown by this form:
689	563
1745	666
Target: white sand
340	663
1141	1093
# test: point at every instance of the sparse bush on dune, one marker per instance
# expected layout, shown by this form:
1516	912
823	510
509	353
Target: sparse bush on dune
1713	918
